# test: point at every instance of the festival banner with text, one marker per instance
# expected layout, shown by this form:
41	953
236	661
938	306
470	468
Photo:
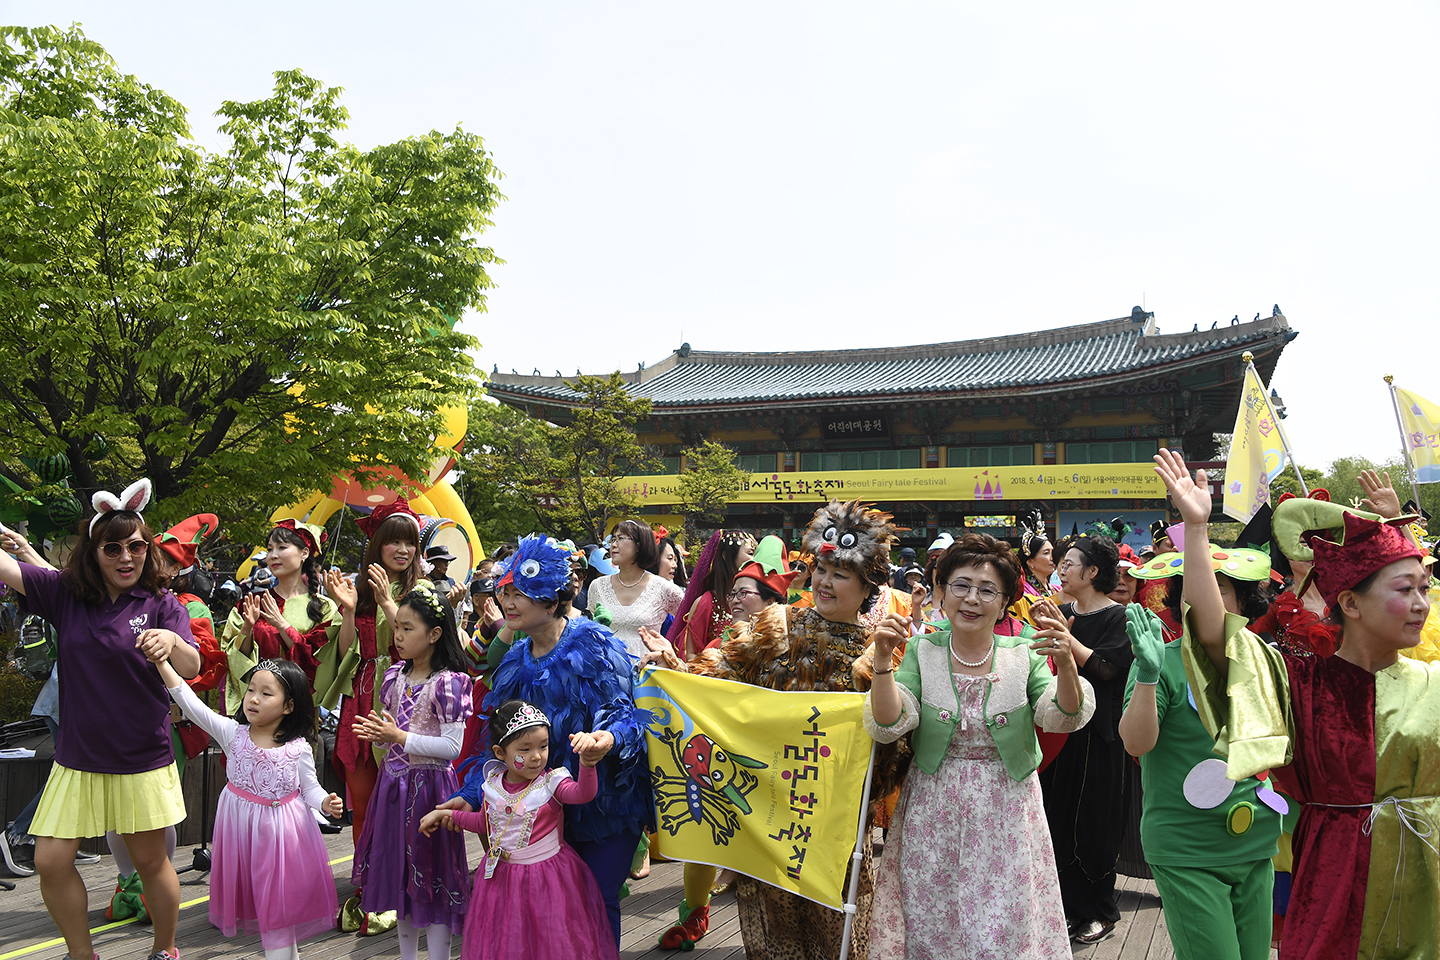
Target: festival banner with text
1076	481
766	782
1257	454
1422	428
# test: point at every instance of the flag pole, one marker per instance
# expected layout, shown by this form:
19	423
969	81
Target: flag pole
1249	359
857	857
1404	447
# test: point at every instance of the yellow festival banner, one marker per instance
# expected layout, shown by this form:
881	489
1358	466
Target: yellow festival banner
1422	434
766	782
1076	481
1257	452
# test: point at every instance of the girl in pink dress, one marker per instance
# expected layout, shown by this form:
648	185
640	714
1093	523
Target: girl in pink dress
534	898
270	872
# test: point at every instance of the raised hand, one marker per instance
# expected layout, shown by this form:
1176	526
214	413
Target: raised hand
1053	639
1147	639
1380	496
891	632
658	651
250	612
341	590
379	579
379	728
1191	497
271	612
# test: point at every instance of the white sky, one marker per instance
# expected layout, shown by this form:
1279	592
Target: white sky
777	175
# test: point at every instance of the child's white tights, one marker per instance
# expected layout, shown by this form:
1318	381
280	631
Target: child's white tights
122	855
437	941
291	952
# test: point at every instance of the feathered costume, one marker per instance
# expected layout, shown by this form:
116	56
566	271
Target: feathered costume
804	651
584	684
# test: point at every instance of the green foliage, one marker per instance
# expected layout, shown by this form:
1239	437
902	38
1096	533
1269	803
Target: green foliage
1287	483
710	481
500	470
590	454
238	326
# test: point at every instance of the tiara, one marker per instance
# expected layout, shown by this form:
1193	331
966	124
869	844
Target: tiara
271	666
528	715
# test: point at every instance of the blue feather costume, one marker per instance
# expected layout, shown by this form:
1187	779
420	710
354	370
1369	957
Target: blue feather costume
583	685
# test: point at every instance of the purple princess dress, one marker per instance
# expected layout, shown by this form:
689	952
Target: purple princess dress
424	879
270	873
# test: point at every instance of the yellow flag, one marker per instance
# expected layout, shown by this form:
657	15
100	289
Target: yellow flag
1422	434
766	782
1257	455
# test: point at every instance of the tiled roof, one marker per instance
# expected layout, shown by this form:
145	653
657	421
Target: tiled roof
1049	360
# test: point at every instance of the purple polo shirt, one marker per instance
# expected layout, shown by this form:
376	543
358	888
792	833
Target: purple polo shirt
114	711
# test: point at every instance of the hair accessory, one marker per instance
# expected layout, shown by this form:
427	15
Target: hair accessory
432	600
526	717
539	568
1032	532
380	514
182	540
852	535
660	532
313	536
132	499
270	666
731	538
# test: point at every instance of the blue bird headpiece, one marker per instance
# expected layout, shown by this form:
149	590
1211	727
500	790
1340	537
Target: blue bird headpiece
539	568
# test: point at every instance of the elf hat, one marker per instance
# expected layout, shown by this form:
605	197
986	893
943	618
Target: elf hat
182	540
1345	545
768	566
311	534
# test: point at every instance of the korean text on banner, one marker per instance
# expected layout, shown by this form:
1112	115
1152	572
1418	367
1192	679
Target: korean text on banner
1257	454
765	782
1421	420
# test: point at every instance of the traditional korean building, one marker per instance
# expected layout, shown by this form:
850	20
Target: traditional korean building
945	435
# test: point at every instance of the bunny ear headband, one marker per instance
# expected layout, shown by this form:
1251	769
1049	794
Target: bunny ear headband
132	499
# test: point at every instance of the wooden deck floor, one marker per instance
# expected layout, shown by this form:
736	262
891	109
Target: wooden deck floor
26	930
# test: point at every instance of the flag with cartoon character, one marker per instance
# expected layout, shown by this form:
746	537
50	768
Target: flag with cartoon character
766	782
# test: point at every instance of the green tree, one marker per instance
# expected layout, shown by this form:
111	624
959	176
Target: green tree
710	482
579	482
501	468
237	326
1287	483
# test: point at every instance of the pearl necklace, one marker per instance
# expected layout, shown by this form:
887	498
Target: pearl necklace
629	585
966	663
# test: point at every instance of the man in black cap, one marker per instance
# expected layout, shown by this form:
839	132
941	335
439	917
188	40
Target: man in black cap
439	557
897	572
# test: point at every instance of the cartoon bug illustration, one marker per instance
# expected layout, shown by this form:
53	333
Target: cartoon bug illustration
710	791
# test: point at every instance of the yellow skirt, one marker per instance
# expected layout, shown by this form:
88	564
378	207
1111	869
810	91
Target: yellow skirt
80	804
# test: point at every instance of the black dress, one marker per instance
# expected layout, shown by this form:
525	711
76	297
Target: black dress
1085	788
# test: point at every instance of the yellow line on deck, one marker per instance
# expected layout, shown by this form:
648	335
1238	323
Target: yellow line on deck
60	941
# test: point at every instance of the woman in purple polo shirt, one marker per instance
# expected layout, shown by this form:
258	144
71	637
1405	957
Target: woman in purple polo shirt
114	764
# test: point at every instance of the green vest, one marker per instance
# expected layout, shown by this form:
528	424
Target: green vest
1009	709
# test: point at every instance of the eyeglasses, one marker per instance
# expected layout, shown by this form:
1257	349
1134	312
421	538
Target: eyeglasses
620	536
960	589
737	594
135	548
1066	565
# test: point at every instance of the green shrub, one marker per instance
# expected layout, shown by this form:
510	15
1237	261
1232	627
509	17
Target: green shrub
17	694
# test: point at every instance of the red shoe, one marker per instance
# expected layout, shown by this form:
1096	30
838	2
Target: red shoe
693	925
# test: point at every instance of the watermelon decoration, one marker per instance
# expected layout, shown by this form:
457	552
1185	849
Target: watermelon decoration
65	511
51	469
97	448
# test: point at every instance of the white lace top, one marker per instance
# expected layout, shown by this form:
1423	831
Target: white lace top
658	600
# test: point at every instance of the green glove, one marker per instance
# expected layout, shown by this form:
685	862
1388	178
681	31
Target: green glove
1147	639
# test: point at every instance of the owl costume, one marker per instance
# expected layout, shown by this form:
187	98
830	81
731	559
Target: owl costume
798	649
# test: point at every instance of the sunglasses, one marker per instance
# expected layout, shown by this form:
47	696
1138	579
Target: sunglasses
135	548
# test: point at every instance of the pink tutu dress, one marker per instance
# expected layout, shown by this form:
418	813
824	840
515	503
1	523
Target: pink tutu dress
270	872
534	898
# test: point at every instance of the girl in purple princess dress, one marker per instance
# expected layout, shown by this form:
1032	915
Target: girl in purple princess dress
424	878
534	898
270	872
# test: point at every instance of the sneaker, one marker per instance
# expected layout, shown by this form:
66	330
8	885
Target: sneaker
14	863
1094	931
82	857
172	954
